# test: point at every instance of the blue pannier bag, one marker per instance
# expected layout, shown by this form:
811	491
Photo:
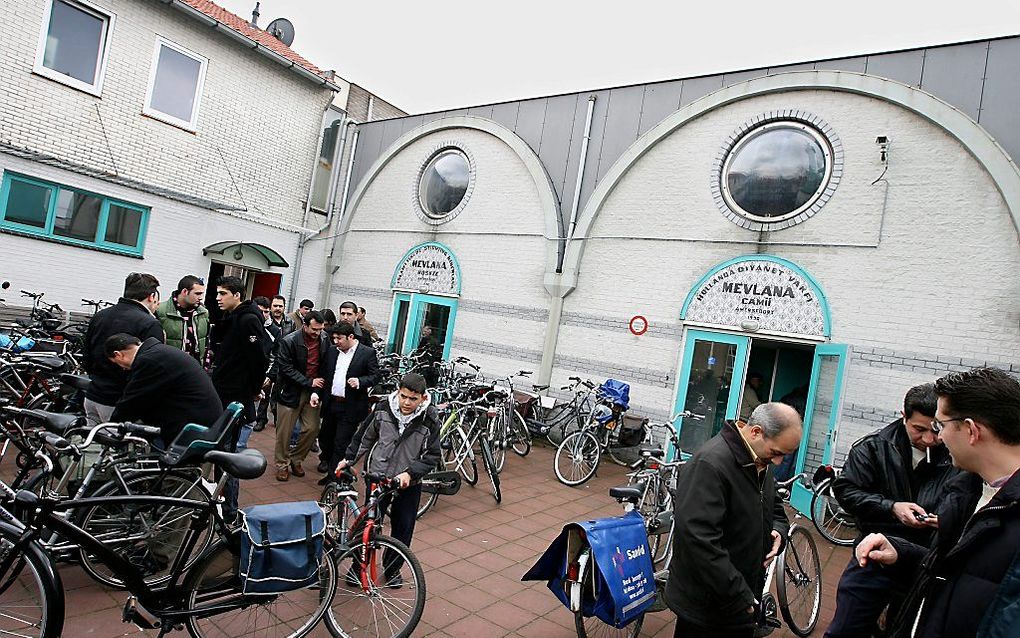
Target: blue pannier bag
616	391
281	547
23	344
622	585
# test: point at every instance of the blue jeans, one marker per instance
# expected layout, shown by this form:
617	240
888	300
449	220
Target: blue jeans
244	435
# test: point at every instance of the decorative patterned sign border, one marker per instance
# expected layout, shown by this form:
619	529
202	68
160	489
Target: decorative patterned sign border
822	327
455	279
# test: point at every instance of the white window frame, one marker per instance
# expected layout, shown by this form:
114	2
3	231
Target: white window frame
95	88
148	110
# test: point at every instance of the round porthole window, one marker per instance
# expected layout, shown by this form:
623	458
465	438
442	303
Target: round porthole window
444	184
777	173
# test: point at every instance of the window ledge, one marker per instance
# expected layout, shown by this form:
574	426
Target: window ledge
69	82
159	117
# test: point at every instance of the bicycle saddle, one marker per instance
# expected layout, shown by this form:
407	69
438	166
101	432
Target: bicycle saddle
539	388
55	422
249	464
49	362
625	493
652	452
76	381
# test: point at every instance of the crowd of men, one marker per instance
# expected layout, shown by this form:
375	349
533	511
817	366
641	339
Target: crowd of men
166	364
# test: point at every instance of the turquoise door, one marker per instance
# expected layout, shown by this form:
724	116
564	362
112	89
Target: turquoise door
412	313
821	416
711	370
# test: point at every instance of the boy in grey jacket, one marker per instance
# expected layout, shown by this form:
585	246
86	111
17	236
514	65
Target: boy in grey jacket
401	438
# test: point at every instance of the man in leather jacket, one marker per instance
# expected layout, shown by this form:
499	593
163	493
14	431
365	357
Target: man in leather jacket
958	584
890	481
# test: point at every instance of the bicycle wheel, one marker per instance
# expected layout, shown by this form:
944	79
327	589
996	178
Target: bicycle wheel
834	523
212	593
499	443
426	504
150	535
577	458
490	468
382	594
520	435
339	507
31	594
799	585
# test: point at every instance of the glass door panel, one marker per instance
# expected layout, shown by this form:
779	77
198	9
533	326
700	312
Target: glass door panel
398	323
710	373
821	416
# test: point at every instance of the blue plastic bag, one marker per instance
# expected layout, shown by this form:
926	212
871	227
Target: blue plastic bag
616	391
624	584
24	344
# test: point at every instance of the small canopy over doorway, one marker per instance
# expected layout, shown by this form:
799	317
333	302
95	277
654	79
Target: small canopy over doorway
426	287
246	260
755	330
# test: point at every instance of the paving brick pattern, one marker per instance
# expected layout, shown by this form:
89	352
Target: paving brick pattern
474	553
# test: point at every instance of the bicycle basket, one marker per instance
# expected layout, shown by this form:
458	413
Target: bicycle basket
632	431
281	547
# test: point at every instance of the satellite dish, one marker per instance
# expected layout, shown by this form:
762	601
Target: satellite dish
282	29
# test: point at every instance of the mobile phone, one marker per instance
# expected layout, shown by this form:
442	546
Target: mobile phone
922	517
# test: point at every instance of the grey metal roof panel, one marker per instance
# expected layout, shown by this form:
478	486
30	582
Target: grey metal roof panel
1001	95
787	68
598	133
903	67
743	76
530	121
660	100
481	111
855	65
560	116
621	124
506	114
955	74
696	88
574	156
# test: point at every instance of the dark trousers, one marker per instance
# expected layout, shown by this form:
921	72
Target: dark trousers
232	488
403	508
862	594
339	424
686	629
262	415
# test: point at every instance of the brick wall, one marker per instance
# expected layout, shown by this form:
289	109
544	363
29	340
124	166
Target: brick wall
257	124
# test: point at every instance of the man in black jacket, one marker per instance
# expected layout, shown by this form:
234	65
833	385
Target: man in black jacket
273	333
348	313
299	361
978	520
890	481
240	358
350	369
728	524
131	315
166	386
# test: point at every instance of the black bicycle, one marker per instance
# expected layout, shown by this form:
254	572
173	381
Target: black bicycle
207	597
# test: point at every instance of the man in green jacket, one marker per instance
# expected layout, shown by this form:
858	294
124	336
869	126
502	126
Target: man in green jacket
184	319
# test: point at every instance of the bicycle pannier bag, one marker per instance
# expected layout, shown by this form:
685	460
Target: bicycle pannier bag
281	547
632	431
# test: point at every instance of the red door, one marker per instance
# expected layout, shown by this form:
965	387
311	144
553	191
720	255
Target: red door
266	284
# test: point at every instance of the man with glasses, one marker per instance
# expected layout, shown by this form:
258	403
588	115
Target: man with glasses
891	481
968	584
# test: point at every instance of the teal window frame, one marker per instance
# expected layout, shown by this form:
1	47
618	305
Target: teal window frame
46	232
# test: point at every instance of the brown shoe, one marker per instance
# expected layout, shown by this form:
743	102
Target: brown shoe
297	470
282	474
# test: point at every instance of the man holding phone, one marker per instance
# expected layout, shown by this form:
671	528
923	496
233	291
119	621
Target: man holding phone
890	482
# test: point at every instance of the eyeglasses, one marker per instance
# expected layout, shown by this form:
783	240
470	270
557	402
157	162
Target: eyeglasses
937	426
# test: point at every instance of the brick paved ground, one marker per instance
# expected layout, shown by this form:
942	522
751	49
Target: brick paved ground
473	550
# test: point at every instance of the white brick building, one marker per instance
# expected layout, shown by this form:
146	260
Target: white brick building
846	225
136	134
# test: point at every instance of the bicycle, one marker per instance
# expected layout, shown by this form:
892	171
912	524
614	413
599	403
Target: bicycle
384	593
834	523
546	419
578	456
206	597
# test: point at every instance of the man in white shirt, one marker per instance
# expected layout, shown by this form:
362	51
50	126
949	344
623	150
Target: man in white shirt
350	369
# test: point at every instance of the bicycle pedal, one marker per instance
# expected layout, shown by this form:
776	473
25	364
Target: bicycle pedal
140	616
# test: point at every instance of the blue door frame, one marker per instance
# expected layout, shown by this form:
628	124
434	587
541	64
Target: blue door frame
801	495
691	337
415	318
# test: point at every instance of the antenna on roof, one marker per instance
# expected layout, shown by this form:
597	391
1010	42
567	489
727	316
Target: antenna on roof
282	30
255	16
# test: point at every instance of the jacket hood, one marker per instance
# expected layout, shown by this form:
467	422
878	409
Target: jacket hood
394	401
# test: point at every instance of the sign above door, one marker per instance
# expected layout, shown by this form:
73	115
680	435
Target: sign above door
428	268
759	293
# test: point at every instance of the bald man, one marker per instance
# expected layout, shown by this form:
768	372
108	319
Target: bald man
729	524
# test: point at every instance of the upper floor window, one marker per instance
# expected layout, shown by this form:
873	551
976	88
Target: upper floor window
73	44
175	85
329	155
444	184
69	215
